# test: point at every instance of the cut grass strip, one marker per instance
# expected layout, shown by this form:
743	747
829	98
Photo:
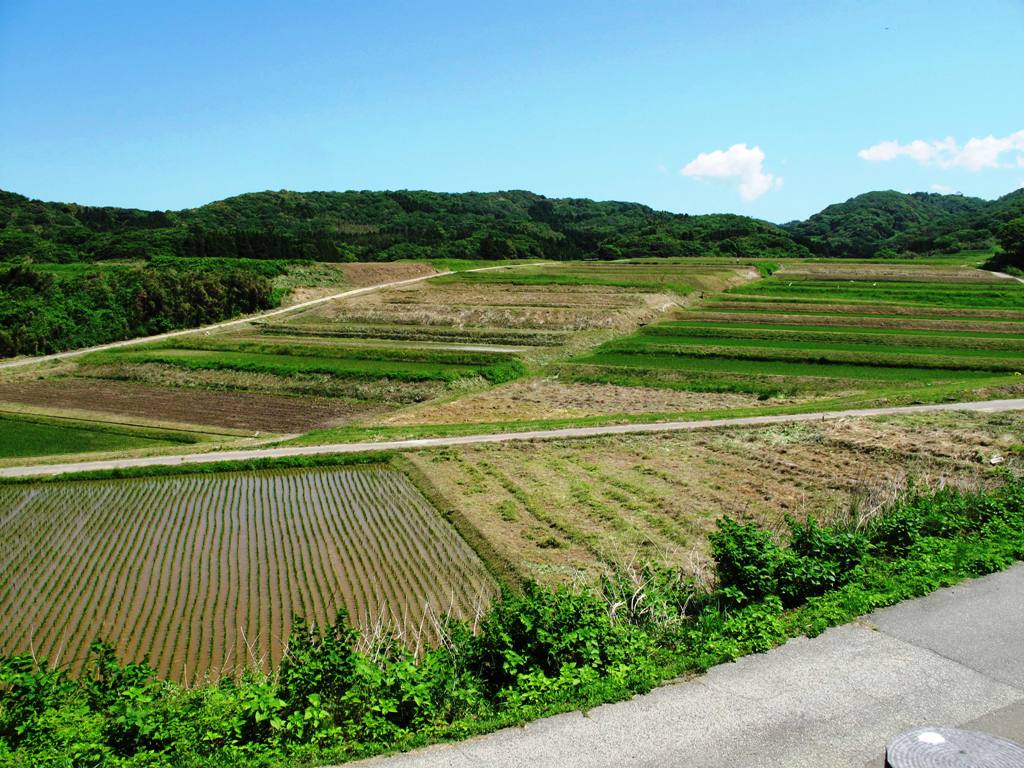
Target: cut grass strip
839	329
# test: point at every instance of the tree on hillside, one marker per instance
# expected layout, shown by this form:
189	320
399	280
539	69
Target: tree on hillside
1011	238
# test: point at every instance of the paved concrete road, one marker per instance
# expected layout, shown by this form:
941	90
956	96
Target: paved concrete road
22	361
501	437
953	658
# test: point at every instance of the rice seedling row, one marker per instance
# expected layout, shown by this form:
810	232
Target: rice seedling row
203	573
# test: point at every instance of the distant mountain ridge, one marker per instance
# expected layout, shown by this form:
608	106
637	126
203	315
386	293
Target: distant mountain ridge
384	226
889	223
381	226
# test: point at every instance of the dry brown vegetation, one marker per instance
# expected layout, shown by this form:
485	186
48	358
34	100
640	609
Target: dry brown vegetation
549	398
567	511
362	274
486	305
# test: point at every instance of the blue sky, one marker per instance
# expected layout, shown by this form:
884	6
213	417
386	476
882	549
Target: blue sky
170	105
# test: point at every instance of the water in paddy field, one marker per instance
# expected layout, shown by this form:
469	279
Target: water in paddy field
203	573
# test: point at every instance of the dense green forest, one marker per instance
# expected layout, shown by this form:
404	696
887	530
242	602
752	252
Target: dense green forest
380	226
43	309
890	224
74	275
384	226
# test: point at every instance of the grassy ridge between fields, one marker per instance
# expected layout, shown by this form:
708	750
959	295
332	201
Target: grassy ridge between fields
951	295
892	396
534	653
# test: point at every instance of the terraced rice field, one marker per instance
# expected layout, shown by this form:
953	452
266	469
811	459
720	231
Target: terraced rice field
364	359
286	381
680	278
877	328
203	573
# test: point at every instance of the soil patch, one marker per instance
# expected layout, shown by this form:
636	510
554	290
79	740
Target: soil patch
236	410
361	274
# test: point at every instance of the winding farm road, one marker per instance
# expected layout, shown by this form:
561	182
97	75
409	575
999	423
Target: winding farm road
249	454
23	361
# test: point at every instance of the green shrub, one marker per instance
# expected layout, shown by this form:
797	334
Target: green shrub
747	560
819	559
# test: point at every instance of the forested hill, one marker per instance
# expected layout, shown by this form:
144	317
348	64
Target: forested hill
879	224
383	226
380	226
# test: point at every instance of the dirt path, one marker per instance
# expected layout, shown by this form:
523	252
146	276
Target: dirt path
1009	277
242	320
987	406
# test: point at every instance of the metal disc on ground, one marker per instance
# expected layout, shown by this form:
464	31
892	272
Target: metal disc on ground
952	748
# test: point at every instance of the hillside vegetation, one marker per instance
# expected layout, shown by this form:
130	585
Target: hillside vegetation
46	309
380	226
887	224
73	275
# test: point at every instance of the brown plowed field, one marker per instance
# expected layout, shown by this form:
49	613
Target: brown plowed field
202	574
362	274
183	405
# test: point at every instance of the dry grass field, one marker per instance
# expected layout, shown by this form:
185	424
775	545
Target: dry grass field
569	511
544	397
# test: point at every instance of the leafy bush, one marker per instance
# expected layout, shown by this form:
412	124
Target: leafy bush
747	561
546	631
819	559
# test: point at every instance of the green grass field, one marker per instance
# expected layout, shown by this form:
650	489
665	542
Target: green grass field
794	333
22	437
343	362
983	295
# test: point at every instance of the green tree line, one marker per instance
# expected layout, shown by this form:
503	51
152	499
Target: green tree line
44	311
890	224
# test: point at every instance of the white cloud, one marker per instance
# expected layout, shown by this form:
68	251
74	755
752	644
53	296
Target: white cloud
975	154
737	162
942	189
